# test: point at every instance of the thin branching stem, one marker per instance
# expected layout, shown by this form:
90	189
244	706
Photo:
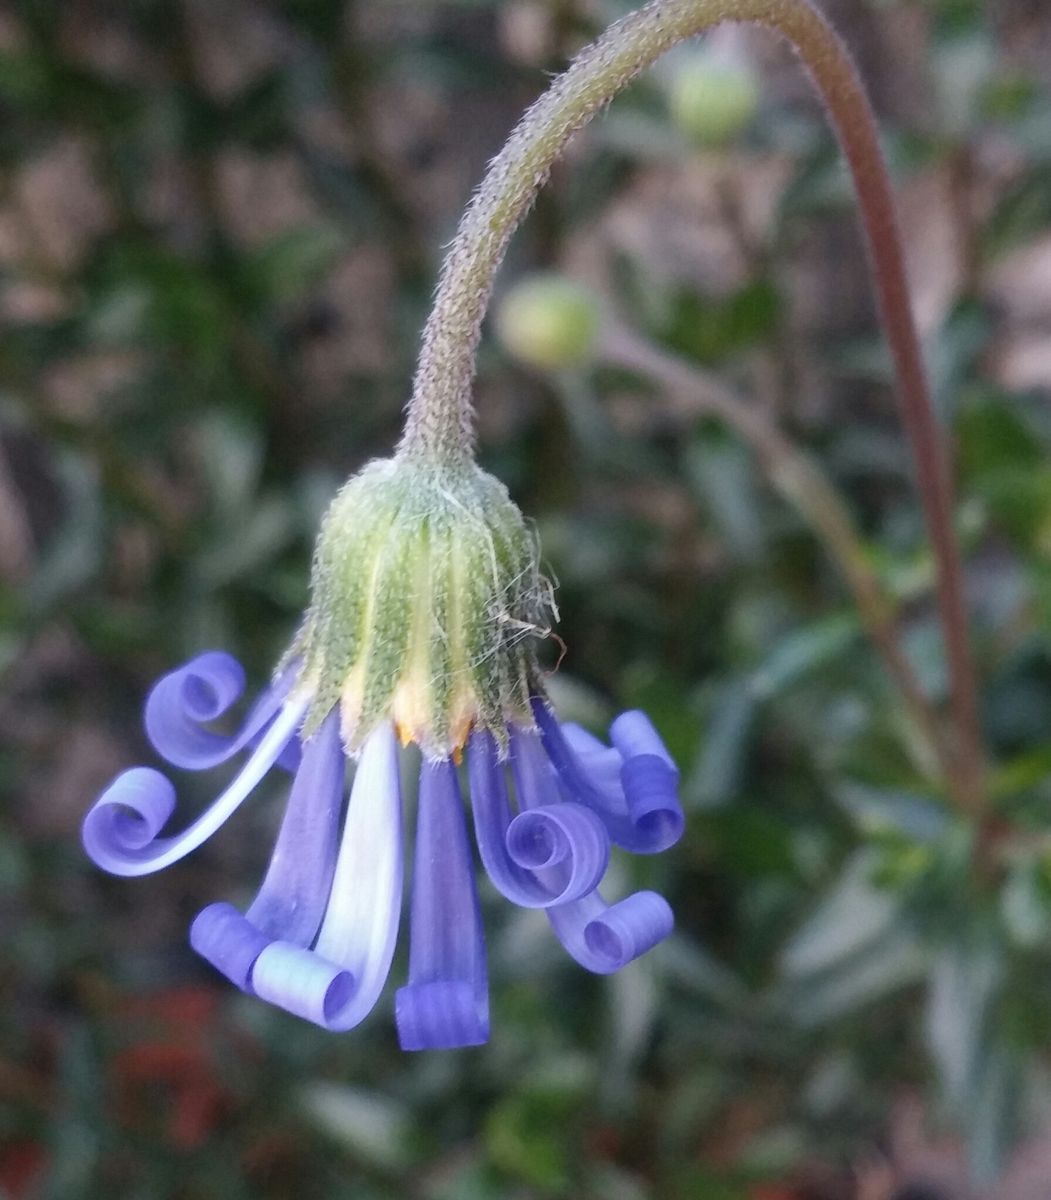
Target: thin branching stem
800	481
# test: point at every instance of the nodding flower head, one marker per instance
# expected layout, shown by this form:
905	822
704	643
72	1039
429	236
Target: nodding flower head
427	598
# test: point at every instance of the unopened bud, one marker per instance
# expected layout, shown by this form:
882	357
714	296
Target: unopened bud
548	321
712	99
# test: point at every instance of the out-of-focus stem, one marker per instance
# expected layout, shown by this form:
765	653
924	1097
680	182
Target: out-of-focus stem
800	481
440	424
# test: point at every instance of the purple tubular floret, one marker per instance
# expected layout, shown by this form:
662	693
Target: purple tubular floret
319	937
649	776
651	788
446	1001
127	817
633	734
536	785
641	810
291	901
565	842
606	937
549	854
182	702
600	762
231	943
492	816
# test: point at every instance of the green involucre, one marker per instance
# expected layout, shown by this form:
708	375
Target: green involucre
427	600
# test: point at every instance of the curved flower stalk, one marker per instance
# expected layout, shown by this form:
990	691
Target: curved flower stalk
440	420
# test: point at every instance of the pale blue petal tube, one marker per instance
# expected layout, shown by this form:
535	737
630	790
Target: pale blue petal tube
446	1001
605	937
337	984
120	831
291	901
644	815
201	691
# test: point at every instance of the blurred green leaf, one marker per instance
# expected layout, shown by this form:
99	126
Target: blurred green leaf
1025	210
1025	904
877	810
717	777
528	1136
801	652
877	968
692	967
992	1114
964	980
724	476
370	1125
708	329
74	554
288	266
852	914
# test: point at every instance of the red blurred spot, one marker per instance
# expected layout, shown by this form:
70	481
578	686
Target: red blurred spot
176	1006
772	1191
21	1166
171	1049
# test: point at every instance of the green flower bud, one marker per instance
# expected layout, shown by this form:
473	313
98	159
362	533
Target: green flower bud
548	321
427	599
712	100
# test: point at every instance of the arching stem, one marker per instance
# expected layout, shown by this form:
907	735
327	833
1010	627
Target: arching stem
440	425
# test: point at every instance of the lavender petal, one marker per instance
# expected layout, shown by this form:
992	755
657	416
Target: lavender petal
599	762
120	831
291	901
446	1001
337	984
633	733
310	985
293	895
200	691
605	937
230	942
643	813
550	854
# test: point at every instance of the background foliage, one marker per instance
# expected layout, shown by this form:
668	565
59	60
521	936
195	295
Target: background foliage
219	229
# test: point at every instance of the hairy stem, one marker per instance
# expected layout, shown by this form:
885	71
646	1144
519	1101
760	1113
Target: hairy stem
439	423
